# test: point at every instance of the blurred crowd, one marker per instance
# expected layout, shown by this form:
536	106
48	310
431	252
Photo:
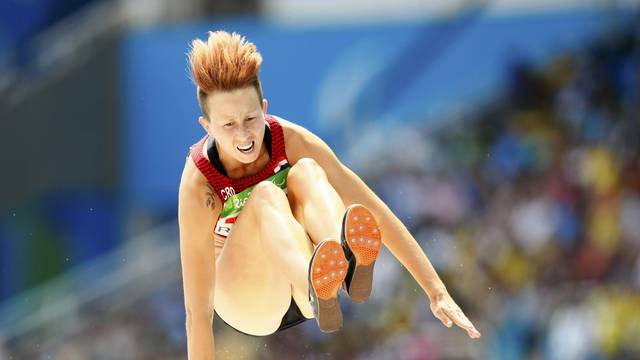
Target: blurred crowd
529	209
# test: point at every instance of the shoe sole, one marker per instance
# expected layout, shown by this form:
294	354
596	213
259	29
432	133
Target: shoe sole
327	271
361	236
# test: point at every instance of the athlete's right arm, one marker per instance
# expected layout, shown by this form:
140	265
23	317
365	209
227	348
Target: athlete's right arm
197	212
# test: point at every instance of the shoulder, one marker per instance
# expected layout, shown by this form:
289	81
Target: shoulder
297	139
196	196
290	129
192	180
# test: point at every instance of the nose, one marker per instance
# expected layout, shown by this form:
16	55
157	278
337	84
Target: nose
244	132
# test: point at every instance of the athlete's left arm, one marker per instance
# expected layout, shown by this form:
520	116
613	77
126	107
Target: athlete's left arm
394	234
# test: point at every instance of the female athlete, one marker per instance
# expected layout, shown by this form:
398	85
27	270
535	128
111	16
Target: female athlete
271	222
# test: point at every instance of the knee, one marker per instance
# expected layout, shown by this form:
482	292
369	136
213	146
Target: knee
303	172
266	192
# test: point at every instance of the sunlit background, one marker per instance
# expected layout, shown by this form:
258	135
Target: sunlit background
505	134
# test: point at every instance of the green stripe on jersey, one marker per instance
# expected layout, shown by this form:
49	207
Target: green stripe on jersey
235	203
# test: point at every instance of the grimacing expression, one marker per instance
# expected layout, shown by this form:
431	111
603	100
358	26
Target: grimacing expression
237	121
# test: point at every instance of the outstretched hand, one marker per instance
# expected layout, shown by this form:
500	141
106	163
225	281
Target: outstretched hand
448	312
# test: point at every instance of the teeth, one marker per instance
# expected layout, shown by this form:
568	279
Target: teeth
246	147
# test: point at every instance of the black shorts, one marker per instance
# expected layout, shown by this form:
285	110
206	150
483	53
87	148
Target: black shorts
291	318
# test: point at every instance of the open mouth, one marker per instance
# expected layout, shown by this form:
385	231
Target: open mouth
245	149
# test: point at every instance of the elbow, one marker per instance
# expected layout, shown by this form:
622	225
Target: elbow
197	317
188	320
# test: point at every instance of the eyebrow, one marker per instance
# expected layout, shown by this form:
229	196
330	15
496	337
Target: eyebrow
231	119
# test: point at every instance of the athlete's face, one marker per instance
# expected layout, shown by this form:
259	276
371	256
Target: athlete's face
236	121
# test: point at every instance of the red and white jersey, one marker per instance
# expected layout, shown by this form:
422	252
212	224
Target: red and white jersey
234	192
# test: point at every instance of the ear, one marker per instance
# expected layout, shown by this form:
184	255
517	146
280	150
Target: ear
205	124
265	104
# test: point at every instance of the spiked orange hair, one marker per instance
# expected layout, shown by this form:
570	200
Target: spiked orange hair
225	62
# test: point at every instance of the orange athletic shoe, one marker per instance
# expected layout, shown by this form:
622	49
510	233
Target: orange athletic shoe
361	242
327	271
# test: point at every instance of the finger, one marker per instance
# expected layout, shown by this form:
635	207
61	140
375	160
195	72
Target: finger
442	317
458	317
474	334
462	321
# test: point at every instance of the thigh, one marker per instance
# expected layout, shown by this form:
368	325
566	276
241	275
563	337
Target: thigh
296	209
305	177
250	294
